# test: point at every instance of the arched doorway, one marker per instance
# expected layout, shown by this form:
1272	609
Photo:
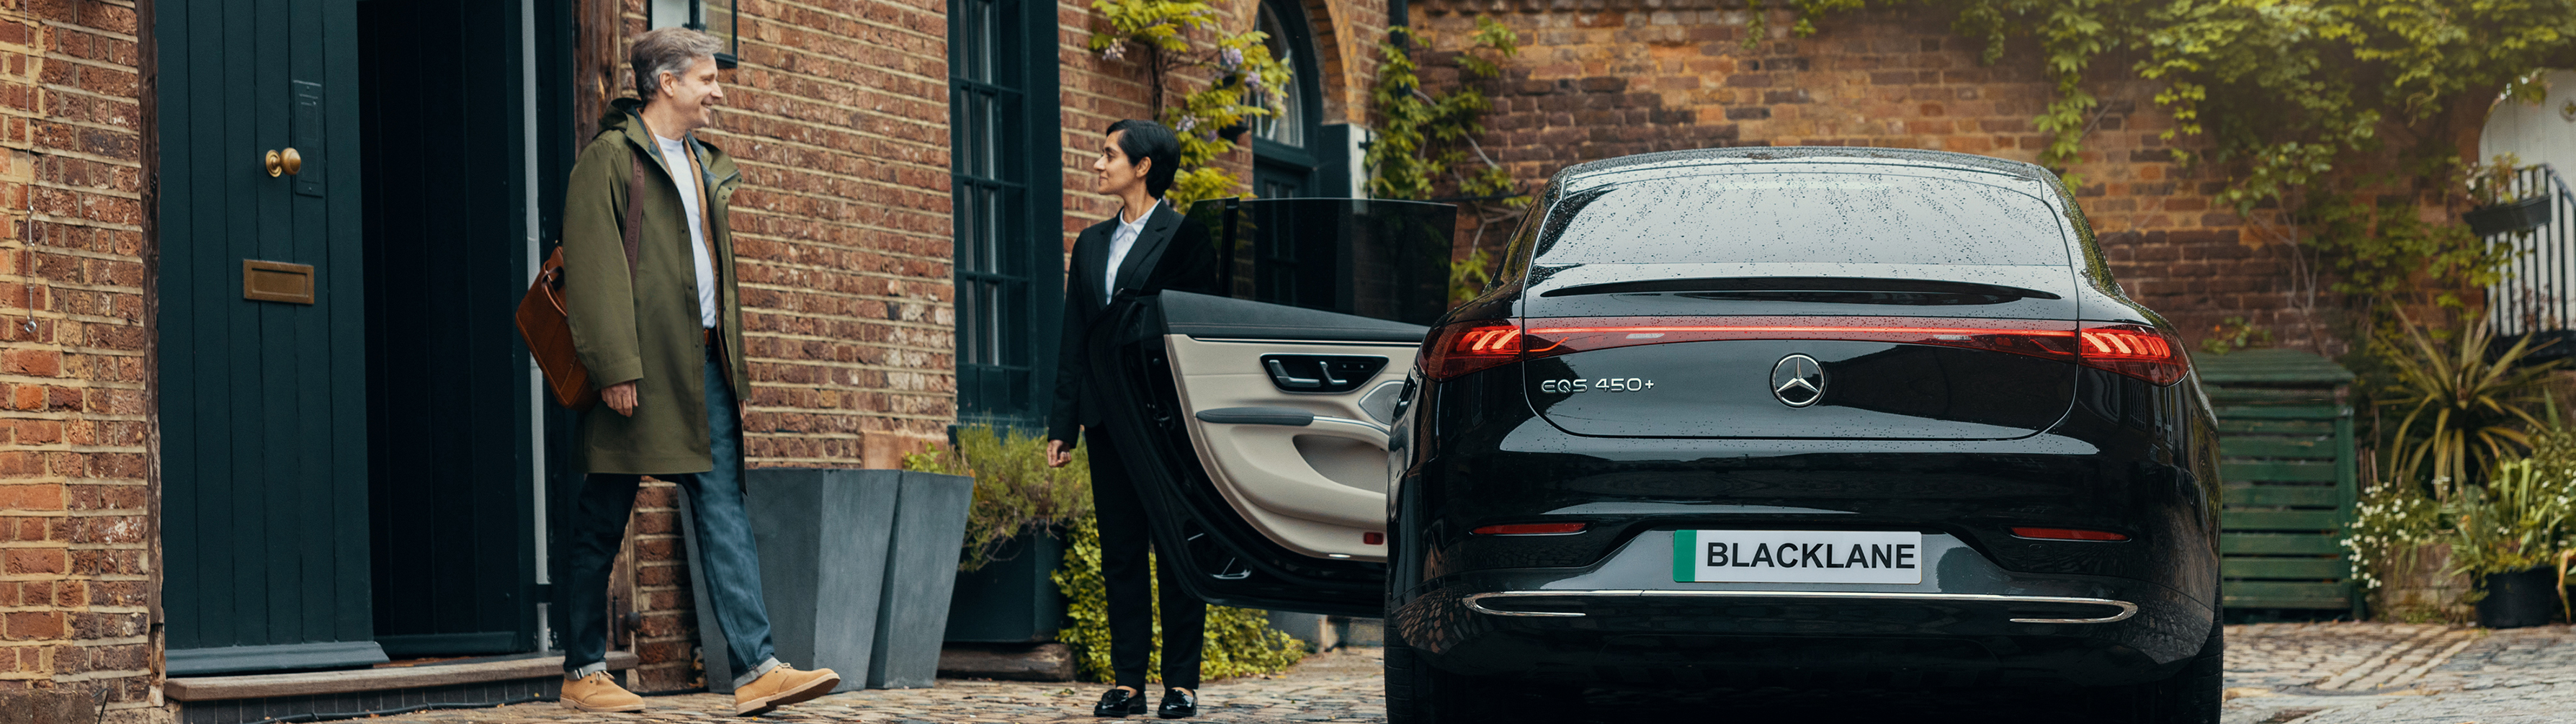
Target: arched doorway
1287	149
2536	294
2536	133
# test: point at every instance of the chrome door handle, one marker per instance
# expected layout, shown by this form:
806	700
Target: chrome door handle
1279	374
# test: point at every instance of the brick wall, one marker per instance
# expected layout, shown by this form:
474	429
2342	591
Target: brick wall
665	642
838	117
76	554
1631	76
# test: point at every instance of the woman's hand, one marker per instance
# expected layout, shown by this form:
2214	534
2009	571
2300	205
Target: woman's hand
1058	453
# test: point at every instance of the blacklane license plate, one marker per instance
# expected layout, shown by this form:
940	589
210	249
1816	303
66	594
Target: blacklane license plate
1797	556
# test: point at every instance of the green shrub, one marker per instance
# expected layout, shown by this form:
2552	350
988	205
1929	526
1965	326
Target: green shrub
2465	407
1240	641
1015	491
2392	523
2525	514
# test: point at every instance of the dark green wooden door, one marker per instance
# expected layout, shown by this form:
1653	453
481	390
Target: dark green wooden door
262	403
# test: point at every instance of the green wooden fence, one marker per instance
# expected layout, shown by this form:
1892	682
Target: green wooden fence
2287	467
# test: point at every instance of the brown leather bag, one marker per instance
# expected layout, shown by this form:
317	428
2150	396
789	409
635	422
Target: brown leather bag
544	320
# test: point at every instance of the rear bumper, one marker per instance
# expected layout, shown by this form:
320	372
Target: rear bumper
2013	609
1969	622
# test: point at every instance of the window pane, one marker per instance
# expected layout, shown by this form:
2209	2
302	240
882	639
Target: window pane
1289	127
988	167
976	43
1373	258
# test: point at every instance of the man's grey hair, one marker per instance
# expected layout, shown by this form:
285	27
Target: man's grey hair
667	50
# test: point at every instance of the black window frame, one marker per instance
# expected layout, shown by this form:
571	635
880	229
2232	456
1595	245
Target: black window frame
1007	207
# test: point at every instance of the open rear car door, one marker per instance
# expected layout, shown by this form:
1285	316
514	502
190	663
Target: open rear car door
1262	400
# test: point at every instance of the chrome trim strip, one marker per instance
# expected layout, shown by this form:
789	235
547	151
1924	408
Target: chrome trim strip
2127	609
1307	342
1330	420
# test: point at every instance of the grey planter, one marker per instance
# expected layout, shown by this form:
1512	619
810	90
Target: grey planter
920	575
856	567
1013	599
819	616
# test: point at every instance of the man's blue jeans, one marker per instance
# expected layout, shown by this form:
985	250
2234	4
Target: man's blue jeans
724	542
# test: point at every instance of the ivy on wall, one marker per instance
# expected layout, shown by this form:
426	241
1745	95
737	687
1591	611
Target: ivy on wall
1425	139
2289	95
1225	74
2288	88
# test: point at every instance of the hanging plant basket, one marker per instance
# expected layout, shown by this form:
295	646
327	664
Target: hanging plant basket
2512	216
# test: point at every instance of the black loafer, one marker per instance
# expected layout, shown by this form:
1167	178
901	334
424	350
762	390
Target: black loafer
1177	704
1119	703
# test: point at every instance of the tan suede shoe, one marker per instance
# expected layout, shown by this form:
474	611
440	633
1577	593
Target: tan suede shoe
782	686
598	692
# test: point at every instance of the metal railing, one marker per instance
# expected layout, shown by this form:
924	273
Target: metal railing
2537	292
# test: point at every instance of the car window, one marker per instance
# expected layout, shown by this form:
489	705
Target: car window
1516	251
1380	259
1806	217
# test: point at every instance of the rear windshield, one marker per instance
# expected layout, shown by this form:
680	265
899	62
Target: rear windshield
1805	217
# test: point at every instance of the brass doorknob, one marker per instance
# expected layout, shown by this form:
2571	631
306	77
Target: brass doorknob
285	162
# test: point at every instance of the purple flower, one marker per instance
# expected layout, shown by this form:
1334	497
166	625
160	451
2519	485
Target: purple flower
1230	58
1117	51
1189	122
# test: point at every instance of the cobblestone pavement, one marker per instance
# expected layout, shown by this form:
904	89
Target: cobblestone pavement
1339	686
2346	673
2324	673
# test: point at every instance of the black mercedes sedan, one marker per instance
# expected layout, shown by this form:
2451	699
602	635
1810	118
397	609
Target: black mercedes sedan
1807	417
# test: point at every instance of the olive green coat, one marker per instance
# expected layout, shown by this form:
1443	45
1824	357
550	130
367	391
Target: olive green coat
646	331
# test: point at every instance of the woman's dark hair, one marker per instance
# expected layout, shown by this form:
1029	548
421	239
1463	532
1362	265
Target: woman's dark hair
1150	140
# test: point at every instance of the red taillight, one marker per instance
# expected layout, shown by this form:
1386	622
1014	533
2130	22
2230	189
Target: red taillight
1373	538
1531	529
1466	347
2037	338
2138	351
2068	534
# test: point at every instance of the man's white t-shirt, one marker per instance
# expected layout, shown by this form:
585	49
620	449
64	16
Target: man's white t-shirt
1121	241
675	156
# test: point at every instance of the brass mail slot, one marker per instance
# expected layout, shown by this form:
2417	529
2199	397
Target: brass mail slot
277	281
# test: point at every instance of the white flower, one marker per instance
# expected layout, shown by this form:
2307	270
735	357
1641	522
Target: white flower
1116	52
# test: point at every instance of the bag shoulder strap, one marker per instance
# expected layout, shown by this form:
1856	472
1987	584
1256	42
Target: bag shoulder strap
634	211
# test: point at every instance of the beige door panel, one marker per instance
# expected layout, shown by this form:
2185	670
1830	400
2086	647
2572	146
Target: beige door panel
1317	488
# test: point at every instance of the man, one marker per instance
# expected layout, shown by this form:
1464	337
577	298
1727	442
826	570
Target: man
1128	252
663	340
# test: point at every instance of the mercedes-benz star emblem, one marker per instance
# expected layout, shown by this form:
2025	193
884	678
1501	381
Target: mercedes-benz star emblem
1798	380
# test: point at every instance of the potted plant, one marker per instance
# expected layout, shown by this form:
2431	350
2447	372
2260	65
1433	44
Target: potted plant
2501	206
2513	533
1014	532
2454	412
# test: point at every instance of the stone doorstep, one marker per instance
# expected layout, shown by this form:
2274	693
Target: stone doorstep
258	686
1007	662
